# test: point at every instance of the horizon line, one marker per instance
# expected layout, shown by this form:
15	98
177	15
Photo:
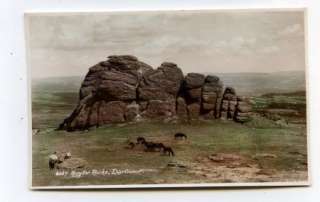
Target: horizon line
205	73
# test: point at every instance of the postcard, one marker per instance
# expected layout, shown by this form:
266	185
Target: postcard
145	99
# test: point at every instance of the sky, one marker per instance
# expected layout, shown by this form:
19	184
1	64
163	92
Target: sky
223	41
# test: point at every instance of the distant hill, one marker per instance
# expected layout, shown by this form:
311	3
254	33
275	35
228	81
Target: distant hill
262	83
244	83
57	84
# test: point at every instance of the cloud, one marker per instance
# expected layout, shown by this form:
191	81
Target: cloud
238	43
291	29
270	49
207	41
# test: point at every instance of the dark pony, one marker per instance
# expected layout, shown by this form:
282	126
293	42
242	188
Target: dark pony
180	136
140	140
168	151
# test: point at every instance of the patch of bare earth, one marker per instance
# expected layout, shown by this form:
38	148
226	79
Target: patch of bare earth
224	167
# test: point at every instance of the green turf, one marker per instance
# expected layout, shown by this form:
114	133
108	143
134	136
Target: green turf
104	147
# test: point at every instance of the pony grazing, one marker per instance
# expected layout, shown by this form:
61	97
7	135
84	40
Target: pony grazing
168	151
131	145
141	140
180	136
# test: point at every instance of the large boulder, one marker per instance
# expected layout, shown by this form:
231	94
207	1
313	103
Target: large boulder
212	95
161	84
192	87
106	90
243	111
194	80
114	79
228	104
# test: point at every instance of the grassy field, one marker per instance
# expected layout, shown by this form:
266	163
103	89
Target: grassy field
271	148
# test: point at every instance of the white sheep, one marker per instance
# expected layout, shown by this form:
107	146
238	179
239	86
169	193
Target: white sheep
67	155
53	159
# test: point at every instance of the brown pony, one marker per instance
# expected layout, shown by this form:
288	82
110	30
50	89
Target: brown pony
168	151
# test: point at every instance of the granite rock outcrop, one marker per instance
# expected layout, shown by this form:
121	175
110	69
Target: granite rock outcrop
124	89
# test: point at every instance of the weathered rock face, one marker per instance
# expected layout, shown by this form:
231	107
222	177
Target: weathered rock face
123	89
114	79
160	109
228	104
243	110
192	87
211	96
193	110
161	84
